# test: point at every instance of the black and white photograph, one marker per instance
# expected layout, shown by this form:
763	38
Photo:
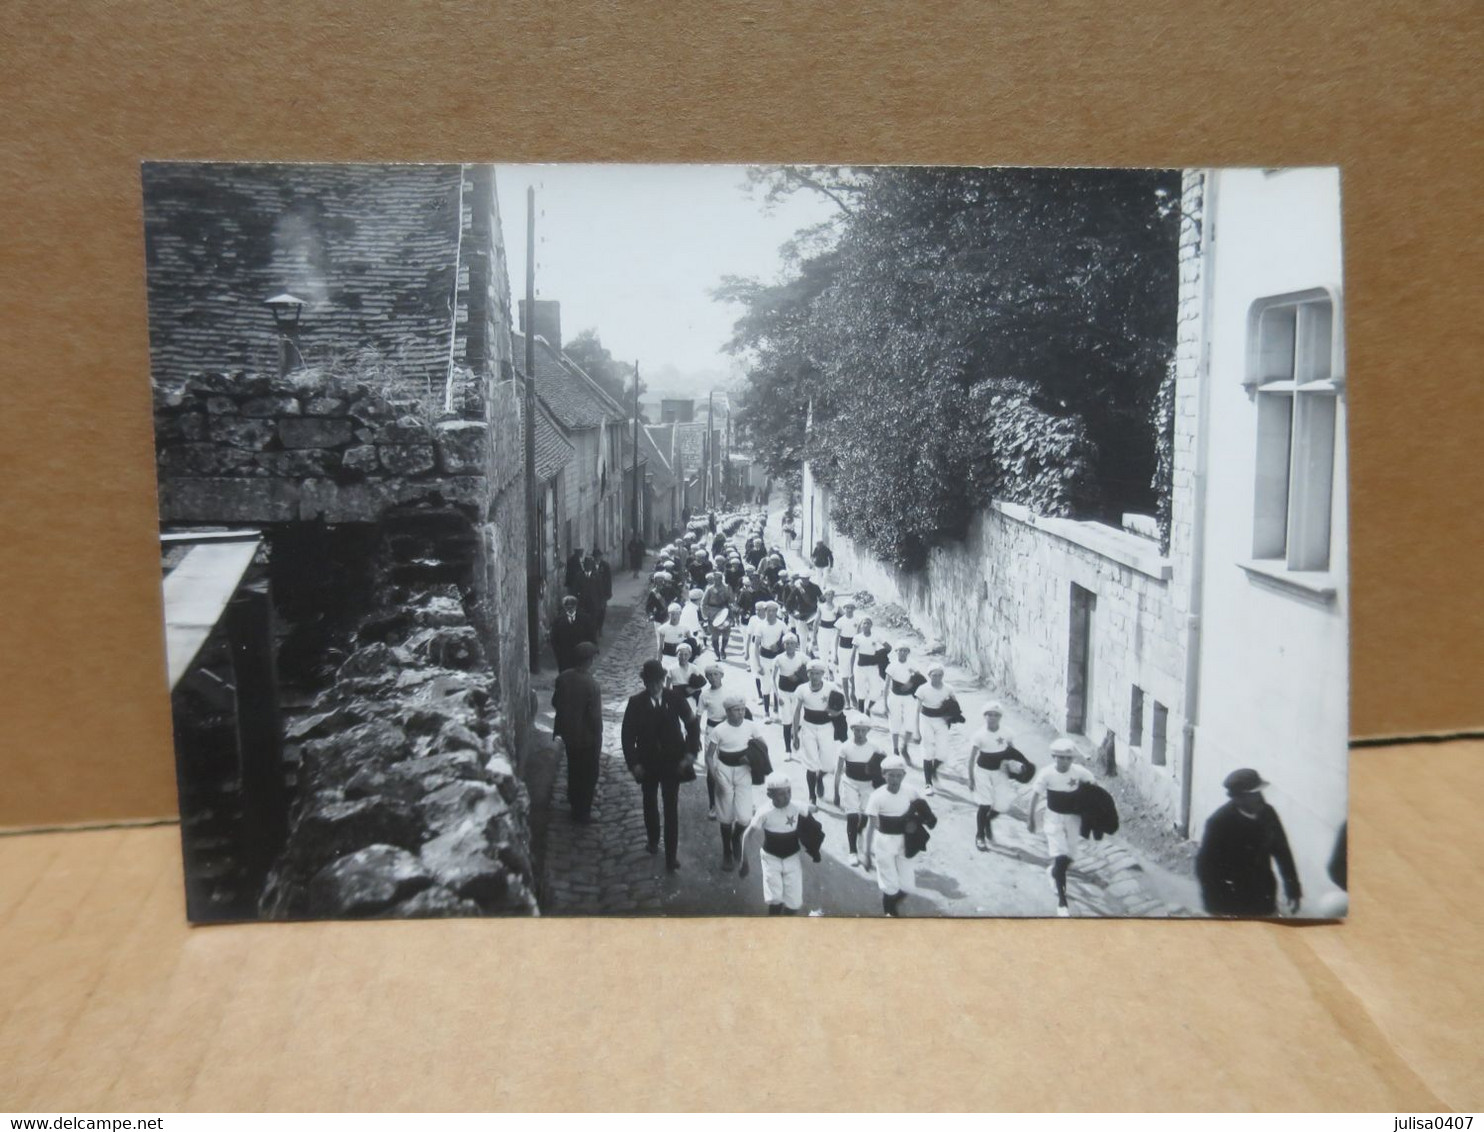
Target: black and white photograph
704	540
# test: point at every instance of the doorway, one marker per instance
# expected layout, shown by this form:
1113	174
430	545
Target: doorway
1079	660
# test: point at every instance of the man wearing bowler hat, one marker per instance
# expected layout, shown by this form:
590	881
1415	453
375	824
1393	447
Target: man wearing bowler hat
1244	839
658	726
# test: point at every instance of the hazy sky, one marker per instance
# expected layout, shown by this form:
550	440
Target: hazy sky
633	251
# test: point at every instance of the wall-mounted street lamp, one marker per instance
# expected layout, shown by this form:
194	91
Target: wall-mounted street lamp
287	310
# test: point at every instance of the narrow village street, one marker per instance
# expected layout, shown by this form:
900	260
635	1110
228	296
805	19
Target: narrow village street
603	867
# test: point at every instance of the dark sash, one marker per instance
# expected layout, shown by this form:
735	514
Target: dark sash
1061	801
783	845
788	683
846	642
894	823
900	689
767	653
732	758
670	650
942	712
858	772
817	715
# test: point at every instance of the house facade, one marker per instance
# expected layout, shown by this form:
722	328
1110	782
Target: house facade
1273	645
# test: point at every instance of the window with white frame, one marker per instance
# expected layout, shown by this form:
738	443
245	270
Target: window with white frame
1294	371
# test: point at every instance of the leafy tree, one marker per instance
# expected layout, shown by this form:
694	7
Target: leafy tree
970	334
616	378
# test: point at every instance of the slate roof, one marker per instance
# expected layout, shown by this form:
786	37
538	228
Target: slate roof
553	450
373	249
574	398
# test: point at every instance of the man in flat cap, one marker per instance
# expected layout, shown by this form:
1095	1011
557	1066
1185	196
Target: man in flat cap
577	702
1243	840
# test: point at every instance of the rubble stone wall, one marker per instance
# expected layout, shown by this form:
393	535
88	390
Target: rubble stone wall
408	803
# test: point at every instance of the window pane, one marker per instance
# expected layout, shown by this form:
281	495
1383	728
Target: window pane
1270	497
1161	725
1276	334
1313	477
1315	349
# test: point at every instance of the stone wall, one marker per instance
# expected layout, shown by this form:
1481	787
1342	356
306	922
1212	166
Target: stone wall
1001	602
502	606
258	448
407	803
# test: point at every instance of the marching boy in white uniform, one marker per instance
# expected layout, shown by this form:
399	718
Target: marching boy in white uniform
1056	784
853	763
813	722
992	756
783	868
901	704
726	761
885	847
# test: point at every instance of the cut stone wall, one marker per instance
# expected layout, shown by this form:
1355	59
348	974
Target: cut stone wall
1000	603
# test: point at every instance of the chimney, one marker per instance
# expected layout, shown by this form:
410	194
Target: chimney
547	321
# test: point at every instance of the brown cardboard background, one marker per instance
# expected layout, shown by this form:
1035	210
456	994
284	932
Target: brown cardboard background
111	1002
1391	92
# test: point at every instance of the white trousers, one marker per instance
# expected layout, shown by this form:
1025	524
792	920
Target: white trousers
900	712
1063	831
854	795
868	683
893	870
936	736
734	801
783	880
815	740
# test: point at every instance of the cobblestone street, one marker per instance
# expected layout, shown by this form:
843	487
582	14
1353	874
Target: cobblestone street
603	867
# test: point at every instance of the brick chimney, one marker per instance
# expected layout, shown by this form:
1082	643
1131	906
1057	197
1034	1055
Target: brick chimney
547	321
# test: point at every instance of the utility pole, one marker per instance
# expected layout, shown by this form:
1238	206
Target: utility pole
710	450
533	534
635	508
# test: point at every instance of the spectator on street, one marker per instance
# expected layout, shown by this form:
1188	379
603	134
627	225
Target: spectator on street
658	731
573	580
636	554
571	627
578	705
1243	840
590	596
605	586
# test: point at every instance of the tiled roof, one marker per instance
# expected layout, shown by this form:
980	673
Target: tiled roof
372	249
553	449
575	400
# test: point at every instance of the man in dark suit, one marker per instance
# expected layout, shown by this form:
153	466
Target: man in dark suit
1244	839
659	734
578	722
573	580
605	586
571	627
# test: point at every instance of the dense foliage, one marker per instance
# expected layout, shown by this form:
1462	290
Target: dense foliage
615	377
967	335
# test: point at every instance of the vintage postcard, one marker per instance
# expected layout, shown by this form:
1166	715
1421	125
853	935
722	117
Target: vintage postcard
772	540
